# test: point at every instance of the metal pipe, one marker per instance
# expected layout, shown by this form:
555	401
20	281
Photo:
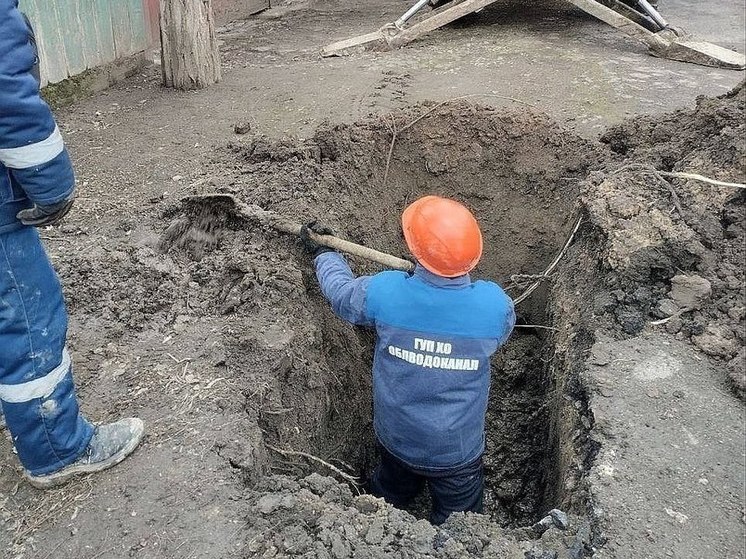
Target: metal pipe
653	13
410	13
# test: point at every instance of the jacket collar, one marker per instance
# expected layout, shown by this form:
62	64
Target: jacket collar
428	277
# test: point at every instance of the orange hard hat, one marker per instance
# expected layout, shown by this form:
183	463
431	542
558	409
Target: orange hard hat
443	235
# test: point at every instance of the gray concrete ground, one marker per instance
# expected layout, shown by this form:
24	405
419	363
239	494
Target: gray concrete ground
669	480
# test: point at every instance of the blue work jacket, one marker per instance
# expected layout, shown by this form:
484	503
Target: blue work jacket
34	164
431	369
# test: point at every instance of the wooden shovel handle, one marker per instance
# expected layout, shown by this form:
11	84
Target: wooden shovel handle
371	254
281	224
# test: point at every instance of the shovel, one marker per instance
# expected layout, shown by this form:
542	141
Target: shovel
211	205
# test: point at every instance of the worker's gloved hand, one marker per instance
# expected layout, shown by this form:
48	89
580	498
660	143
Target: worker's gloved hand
314	248
41	216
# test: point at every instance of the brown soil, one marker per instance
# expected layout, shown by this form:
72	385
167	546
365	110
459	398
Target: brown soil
656	232
229	328
525	178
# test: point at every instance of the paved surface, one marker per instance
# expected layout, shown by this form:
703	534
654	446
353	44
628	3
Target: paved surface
669	479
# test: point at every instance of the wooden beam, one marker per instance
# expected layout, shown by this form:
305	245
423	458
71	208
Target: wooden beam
390	36
341	48
436	21
618	21
666	43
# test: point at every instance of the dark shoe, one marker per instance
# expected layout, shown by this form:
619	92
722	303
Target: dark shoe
110	444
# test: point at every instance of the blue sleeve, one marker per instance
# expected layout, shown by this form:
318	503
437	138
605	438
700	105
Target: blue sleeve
345	292
31	146
508	322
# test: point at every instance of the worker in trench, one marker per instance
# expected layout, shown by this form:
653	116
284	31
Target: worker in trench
436	330
37	395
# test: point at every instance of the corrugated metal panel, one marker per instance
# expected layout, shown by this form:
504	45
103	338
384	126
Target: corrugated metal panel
49	38
137	24
75	35
73	40
122	29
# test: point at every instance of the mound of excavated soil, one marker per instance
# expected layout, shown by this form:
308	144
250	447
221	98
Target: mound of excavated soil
677	254
709	138
316	517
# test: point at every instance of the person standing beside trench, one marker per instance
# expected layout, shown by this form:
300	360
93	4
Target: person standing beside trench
436	330
37	395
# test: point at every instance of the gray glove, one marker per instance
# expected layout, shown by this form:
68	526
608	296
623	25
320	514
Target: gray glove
313	248
41	216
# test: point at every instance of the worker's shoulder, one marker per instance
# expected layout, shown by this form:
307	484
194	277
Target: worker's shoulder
389	276
384	287
493	292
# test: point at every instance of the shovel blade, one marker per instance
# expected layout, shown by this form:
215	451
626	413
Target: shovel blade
200	224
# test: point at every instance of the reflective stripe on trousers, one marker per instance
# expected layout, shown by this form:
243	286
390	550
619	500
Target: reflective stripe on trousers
36	386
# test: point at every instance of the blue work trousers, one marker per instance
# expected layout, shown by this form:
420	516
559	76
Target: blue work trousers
36	385
459	489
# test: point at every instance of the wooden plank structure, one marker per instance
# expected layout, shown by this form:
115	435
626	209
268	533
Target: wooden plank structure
662	40
76	35
189	47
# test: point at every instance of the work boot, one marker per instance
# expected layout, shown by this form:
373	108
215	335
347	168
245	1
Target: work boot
110	444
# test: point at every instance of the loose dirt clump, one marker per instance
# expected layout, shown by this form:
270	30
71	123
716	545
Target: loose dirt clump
123	288
675	250
316	517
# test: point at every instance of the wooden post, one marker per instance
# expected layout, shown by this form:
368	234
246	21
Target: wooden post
189	49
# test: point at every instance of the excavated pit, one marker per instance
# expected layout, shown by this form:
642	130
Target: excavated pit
524	195
518	462
517	171
259	370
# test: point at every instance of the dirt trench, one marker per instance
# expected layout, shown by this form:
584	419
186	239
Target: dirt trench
230	326
503	167
516	170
